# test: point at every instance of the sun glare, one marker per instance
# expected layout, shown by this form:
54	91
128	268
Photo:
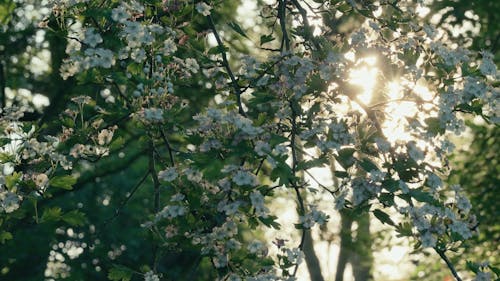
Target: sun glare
364	76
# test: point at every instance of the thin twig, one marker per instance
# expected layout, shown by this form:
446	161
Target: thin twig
169	148
125	201
226	65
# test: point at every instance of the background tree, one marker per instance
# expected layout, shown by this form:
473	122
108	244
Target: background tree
163	167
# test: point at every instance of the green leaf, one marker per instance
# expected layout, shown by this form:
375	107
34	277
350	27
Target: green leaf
120	273
367	165
434	126
6	10
266	39
236	27
422	196
345	157
117	143
387	199
4	236
218	50
474	267
270	221
12	180
277	139
305	165
75	218
404	229
64	182
383	217
496	270
267	262
283	172
52	214
390	185
341	174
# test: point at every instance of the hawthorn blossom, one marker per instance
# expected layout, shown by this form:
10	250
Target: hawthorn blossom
41	181
244	178
153	114
203	8
169	47
192	65
92	38
258	203
488	67
168	174
120	14
151	276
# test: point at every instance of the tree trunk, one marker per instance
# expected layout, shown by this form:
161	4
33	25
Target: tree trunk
361	258
312	261
345	244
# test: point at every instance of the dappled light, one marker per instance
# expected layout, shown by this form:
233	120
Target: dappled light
248	140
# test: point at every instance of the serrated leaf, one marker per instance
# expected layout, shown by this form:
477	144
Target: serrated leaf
270	221
474	267
74	218
266	39
120	273
383	217
404	229
64	182
236	27
283	172
52	214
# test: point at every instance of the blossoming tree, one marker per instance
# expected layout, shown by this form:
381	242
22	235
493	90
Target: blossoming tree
225	129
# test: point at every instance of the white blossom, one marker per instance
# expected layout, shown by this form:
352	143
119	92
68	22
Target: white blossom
119	14
203	8
151	276
192	65
92	38
487	66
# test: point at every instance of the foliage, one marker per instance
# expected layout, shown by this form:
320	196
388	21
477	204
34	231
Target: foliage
189	147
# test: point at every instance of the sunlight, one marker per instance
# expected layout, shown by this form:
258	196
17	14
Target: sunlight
364	77
396	108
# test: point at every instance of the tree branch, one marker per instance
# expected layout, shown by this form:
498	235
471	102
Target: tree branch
448	263
285	41
226	65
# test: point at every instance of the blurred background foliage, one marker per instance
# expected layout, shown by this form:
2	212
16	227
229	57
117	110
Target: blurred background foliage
109	230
